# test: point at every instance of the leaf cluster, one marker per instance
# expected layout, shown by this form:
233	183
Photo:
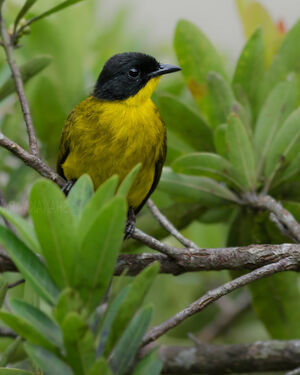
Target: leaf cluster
75	328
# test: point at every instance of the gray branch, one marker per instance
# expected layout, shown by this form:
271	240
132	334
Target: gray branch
213	295
168	226
17	78
260	356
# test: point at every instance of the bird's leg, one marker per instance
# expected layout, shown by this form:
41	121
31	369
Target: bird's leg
130	224
68	186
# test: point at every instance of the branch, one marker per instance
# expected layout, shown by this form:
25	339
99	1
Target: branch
5	332
231	258
31	160
210	259
155	244
259	356
168	226
17	78
215	294
285	217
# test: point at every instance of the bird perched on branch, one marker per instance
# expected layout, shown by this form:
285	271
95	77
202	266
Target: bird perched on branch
117	127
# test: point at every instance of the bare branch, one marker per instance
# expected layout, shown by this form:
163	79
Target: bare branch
261	356
155	244
33	161
17	77
5	332
165	223
284	216
231	258
215	294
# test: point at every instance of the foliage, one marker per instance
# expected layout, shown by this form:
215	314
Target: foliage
65	333
253	120
227	137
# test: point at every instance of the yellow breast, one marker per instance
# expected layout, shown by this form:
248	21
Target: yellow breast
109	138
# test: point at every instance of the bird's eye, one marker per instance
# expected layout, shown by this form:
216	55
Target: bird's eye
133	72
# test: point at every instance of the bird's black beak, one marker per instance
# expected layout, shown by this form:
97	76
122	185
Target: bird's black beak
164	69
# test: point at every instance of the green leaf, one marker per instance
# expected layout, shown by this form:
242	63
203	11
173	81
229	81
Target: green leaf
68	301
55	229
55	9
286	61
133	300
100	367
25	230
289	173
217	215
280	103
253	14
186	123
26	330
101	197
285	146
197	56
25	8
9	352
195	189
126	348
249	70
276	302
14	371
128	181
109	319
47	361
241	153
223	101
79	343
99	251
206	164
32	269
28	70
220	139
37	319
79	195
149	365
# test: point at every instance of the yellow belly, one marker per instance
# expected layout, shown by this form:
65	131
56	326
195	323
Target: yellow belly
111	138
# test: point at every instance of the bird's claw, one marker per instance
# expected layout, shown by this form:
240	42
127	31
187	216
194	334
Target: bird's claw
130	224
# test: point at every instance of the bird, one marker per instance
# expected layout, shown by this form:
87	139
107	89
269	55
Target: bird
117	127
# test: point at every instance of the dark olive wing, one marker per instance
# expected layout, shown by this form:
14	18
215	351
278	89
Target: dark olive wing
64	146
158	169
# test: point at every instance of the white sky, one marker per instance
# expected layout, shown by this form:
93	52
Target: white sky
217	18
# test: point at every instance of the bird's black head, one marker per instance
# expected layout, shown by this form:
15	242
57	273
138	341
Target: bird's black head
125	74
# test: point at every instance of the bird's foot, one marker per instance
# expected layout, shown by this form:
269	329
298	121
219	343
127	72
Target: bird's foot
68	186
130	224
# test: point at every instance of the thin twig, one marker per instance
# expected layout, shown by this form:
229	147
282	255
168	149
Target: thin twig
5	332
31	160
16	283
17	78
155	244
165	223
213	295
